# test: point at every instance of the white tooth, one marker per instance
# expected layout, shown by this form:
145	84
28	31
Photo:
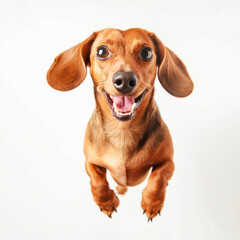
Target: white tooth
133	107
115	107
119	114
111	96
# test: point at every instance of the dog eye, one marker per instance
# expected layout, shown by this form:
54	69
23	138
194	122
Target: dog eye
146	54
102	53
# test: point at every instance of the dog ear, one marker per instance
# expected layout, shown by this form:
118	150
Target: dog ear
69	68
172	73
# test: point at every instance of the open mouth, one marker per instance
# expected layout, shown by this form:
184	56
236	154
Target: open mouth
123	107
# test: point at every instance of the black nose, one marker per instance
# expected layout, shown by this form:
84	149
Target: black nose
124	82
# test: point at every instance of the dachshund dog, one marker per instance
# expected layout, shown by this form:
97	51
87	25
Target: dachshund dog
126	134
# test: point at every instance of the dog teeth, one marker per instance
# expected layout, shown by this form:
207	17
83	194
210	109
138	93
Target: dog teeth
119	114
133	107
123	114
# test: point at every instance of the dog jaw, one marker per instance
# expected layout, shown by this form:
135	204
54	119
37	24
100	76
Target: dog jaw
124	107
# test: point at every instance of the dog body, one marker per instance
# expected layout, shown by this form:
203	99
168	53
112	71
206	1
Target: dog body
126	134
128	149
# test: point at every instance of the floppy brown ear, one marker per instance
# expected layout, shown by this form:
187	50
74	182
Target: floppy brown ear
69	68
172	73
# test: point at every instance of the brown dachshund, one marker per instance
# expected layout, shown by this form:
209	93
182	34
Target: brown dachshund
126	133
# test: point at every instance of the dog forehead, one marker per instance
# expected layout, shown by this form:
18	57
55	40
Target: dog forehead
130	37
109	36
136	34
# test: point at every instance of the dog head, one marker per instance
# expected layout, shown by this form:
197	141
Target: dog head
123	66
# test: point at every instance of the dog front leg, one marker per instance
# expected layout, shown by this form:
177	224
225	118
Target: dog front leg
153	195
103	196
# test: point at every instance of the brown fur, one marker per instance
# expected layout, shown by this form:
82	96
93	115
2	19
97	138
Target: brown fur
130	149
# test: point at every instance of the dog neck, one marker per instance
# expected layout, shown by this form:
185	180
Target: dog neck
125	136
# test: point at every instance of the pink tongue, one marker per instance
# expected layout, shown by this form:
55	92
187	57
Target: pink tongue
123	103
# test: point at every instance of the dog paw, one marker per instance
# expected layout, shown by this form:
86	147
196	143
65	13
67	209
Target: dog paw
121	189
109	206
151	204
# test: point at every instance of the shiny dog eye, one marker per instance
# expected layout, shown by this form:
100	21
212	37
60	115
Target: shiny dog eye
146	54
102	53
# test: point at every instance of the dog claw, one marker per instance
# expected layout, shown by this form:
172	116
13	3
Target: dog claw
100	209
149	219
144	211
115	210
110	216
159	212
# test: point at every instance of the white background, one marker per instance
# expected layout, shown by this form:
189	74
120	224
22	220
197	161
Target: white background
44	189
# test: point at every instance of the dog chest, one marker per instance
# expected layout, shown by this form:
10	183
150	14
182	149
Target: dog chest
116	166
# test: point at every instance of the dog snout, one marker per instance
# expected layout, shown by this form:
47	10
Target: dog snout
125	82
